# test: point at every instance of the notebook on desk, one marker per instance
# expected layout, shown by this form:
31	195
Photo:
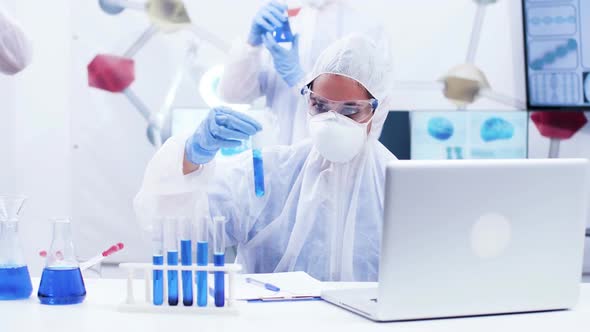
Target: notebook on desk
293	286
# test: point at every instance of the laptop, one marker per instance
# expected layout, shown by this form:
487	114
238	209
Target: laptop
467	238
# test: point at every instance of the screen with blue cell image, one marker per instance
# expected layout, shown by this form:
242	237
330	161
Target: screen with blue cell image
557	34
468	135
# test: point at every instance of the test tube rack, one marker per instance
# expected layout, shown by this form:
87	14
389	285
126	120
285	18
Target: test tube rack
144	305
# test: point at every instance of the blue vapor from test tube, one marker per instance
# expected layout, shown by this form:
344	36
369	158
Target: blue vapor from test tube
219	259
202	260
157	259
258	166
186	259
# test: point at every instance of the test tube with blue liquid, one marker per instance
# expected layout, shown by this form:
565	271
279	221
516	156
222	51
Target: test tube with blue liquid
258	165
219	259
171	245
186	259
283	34
202	260
158	259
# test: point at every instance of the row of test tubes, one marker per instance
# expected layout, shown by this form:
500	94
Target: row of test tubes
168	233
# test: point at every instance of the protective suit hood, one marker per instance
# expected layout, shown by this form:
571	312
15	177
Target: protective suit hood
365	60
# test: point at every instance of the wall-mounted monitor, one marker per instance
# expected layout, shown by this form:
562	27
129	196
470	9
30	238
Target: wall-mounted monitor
468	135
557	49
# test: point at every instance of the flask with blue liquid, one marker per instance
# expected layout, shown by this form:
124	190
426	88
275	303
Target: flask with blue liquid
61	281
15	281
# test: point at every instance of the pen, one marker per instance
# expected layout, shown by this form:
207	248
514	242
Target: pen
268	286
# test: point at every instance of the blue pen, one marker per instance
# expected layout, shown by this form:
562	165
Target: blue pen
266	285
219	260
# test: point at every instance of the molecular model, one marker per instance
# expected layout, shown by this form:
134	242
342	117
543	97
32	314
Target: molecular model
116	73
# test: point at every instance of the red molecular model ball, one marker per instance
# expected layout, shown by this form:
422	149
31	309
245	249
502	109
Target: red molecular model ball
559	125
111	73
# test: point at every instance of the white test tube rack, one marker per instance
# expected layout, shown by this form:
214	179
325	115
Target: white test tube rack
132	304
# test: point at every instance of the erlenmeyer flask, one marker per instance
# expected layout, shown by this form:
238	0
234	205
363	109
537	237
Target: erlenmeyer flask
61	281
15	282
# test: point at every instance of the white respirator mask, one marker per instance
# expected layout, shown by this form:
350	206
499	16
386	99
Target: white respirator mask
337	137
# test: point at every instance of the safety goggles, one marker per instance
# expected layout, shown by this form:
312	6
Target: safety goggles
358	110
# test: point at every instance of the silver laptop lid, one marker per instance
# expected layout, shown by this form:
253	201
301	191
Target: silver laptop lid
479	237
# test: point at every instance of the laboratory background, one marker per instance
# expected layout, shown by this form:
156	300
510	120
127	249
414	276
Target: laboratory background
105	88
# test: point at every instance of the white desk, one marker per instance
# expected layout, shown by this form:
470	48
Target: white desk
99	313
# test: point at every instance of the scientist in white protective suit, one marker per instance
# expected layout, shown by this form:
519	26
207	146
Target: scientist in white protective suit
260	67
323	207
15	48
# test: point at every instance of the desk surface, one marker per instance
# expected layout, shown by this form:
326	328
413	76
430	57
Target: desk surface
99	313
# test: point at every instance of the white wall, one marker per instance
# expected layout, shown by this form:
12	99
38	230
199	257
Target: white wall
7	134
38	126
432	36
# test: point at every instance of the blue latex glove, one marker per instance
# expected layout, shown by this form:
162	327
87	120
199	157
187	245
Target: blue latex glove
223	128
286	61
267	19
